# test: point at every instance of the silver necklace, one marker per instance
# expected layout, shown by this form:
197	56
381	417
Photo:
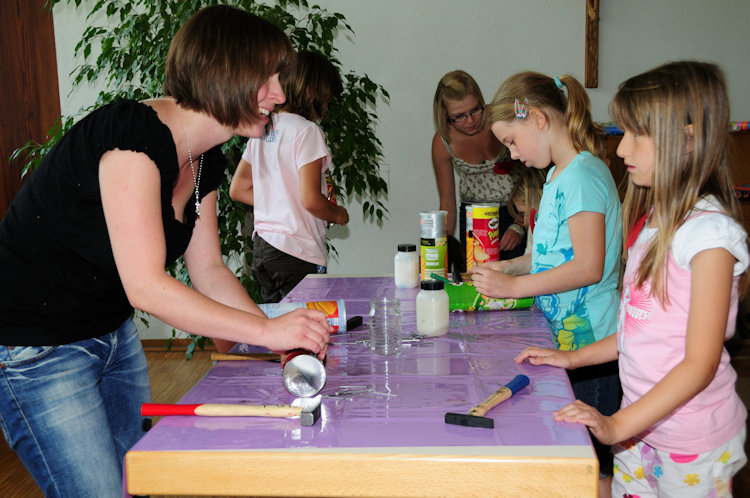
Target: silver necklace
196	181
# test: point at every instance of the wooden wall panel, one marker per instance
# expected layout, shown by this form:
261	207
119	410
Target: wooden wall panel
29	94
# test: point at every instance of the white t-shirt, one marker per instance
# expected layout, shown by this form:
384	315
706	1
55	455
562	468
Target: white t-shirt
710	230
276	159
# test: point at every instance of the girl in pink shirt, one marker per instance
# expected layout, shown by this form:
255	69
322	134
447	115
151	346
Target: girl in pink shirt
282	175
681	428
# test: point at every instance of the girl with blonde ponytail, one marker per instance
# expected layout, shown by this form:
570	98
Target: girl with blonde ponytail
573	268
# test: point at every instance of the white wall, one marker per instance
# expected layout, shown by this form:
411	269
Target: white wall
407	45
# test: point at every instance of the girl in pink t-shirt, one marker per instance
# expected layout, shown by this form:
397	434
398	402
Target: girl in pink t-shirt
282	176
681	428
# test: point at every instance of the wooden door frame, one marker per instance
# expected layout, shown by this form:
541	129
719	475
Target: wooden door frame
29	92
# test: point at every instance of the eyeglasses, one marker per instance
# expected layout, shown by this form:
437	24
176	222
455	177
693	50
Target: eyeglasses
460	118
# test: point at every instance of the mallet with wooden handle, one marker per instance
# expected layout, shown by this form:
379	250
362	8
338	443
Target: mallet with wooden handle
475	417
308	410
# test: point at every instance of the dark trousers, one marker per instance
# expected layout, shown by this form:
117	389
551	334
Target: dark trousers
276	271
599	386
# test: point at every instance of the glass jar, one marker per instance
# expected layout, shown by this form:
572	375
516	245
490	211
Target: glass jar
385	326
433	311
406	266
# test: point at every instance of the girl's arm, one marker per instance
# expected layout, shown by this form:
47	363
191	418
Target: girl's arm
241	188
602	351
310	178
446	182
585	268
217	306
710	292
520	265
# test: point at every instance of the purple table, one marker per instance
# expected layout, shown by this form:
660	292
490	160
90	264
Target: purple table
392	440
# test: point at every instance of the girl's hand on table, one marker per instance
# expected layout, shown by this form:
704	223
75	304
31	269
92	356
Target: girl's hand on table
601	426
301	328
544	356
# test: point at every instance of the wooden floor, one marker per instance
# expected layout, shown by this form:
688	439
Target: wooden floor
172	376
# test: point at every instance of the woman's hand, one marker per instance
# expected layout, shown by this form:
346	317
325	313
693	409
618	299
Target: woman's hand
601	426
301	328
509	240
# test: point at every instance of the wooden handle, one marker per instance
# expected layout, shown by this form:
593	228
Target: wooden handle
220	410
244	356
492	401
519	382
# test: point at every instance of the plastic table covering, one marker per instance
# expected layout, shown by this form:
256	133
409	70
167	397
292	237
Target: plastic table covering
389	438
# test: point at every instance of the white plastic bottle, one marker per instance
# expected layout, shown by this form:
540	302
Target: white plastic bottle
406	266
433	312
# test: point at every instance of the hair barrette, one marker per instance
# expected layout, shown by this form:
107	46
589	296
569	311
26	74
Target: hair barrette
521	109
558	83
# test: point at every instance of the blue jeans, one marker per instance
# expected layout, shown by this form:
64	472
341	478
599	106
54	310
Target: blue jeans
72	411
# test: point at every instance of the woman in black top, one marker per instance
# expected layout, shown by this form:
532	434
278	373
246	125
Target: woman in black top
131	188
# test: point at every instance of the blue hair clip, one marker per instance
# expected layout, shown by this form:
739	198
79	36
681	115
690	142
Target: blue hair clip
521	109
558	83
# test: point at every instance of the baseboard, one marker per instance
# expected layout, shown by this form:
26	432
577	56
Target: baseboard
155	345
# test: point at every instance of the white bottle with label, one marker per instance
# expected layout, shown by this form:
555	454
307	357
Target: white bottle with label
406	266
433	312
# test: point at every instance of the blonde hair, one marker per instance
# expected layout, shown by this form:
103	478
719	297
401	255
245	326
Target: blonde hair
664	104
528	189
455	85
543	94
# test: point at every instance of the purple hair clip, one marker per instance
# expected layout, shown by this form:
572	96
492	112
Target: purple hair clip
521	109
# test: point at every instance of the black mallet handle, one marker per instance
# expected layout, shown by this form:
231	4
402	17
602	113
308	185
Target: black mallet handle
475	417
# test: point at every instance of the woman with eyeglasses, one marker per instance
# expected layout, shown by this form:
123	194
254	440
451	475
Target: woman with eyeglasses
463	143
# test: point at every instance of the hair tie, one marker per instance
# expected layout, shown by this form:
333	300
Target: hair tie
558	83
521	109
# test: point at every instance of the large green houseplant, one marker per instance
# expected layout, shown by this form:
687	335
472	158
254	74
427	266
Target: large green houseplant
127	57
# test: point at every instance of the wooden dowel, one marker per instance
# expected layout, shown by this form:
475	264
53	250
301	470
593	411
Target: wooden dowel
244	356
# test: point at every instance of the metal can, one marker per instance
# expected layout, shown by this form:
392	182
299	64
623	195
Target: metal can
486	228
335	311
303	373
469	237
434	244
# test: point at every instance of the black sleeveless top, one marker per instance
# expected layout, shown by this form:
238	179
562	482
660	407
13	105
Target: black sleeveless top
58	280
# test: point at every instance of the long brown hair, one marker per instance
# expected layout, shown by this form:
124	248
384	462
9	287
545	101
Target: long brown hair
542	93
219	59
683	107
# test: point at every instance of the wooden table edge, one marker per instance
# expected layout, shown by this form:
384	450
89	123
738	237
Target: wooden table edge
434	471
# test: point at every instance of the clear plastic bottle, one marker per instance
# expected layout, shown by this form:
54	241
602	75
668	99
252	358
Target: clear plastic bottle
385	326
433	311
406	266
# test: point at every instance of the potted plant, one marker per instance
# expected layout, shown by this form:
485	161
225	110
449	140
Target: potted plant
130	64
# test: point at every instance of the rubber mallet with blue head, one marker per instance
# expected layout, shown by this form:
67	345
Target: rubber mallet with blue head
475	417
